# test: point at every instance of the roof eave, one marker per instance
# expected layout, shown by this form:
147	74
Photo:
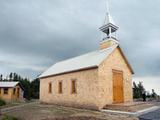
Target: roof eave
72	71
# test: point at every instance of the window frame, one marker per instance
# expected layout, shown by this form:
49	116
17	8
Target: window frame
50	88
74	86
60	87
5	91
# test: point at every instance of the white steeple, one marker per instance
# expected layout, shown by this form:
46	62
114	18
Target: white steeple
109	19
109	26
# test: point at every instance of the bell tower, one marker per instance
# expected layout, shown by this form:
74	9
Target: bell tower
109	29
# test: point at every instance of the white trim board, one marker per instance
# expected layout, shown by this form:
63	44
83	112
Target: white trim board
138	113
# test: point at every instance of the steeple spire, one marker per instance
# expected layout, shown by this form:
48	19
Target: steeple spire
107	6
108	18
109	26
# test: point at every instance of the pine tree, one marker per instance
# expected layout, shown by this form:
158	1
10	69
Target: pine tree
153	94
15	77
138	90
1	77
135	90
11	76
35	88
141	89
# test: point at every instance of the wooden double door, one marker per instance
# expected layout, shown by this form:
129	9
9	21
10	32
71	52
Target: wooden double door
118	90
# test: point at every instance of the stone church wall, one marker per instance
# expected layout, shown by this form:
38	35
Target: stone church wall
114	62
86	85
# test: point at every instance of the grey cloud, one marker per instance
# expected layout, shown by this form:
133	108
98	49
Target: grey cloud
44	32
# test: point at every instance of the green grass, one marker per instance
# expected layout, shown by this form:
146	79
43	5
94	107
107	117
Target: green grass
13	103
2	102
7	117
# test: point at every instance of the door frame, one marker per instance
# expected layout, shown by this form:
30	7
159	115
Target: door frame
121	72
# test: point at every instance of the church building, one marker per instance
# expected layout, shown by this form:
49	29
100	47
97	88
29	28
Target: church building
92	80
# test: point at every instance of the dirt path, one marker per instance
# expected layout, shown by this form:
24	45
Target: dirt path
37	111
9	109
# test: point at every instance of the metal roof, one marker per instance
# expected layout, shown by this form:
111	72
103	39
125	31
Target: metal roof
88	60
8	84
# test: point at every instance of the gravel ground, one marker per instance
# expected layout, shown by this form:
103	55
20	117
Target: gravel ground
52	112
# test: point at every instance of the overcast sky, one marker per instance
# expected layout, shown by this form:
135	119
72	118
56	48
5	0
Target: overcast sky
34	34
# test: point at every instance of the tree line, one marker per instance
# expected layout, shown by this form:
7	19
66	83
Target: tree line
31	87
139	91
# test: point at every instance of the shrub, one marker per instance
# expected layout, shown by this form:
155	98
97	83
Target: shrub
9	118
2	102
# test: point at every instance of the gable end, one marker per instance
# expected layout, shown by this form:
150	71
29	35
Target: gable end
128	64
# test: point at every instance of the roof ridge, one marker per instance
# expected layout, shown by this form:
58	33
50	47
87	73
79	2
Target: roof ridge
102	50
